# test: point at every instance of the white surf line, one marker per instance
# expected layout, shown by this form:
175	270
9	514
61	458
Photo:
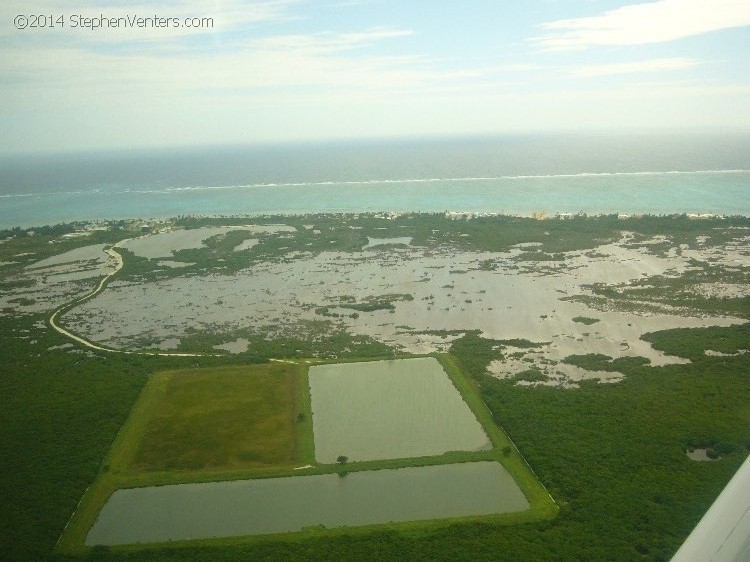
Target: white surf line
99	288
438	180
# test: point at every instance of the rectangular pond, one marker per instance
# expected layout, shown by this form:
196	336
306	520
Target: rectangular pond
279	505
390	409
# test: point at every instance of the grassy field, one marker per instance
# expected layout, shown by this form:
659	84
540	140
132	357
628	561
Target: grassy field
222	423
203	424
225	418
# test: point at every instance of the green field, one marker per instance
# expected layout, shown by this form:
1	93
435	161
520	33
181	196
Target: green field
204	424
222	423
220	419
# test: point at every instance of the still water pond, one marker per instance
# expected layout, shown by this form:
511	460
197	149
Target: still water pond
389	409
279	505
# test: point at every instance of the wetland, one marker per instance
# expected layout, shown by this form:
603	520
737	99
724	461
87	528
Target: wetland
534	314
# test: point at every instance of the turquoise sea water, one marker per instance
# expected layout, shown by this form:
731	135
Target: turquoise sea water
513	175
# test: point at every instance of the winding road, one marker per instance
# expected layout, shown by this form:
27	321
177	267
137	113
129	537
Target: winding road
99	288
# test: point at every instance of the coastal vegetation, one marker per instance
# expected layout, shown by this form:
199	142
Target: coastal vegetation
700	288
370	304
585	320
308	338
350	233
64	404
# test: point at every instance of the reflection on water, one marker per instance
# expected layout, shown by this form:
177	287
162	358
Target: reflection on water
278	505
389	409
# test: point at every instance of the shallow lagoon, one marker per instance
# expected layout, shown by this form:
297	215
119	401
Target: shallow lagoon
279	505
389	409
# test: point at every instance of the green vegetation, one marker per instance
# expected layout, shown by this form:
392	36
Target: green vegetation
585	320
601	362
196	425
693	344
345	233
204	424
580	443
60	411
16	284
49	241
137	267
521	343
23	301
62	408
542	505
384	302
531	375
697	290
219	419
370	304
307	338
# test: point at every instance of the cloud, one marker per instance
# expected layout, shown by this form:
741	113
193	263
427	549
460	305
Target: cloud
264	67
634	67
640	24
328	42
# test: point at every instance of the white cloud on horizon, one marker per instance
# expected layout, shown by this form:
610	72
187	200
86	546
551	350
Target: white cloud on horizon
283	70
327	42
641	24
256	68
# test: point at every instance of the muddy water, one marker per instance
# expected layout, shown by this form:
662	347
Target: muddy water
450	292
389	409
280	505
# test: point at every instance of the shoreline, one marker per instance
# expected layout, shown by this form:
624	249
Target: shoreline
83	226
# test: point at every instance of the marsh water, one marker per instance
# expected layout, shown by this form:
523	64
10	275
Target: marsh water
389	409
279	505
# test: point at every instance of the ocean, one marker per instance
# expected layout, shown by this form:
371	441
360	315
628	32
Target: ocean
514	174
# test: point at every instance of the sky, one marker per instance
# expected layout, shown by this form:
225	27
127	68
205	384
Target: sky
308	70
